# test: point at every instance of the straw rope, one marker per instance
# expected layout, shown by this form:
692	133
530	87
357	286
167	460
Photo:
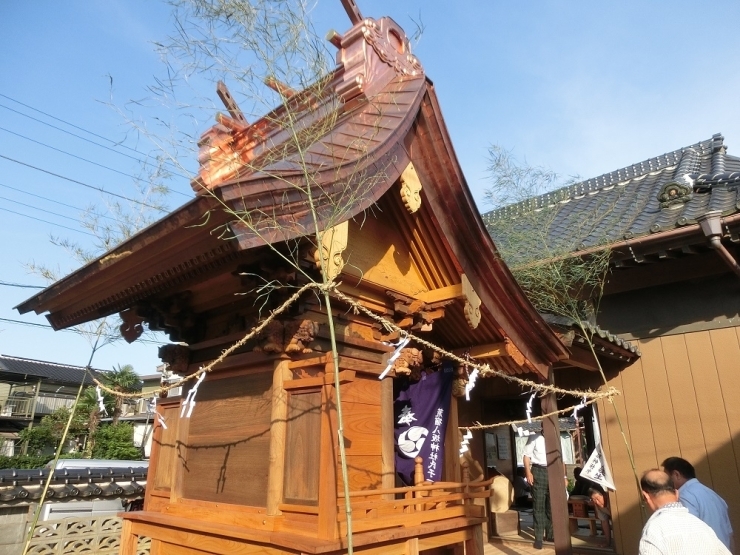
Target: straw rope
484	369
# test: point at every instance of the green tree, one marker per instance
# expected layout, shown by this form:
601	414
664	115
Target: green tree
115	442
46	434
88	408
122	379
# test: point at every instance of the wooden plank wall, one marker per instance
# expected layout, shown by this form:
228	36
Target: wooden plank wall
229	440
678	399
361	400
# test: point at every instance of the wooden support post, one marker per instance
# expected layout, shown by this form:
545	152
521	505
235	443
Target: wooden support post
129	542
418	471
387	448
465	466
556	474
278	427
474	546
452	445
412	547
328	527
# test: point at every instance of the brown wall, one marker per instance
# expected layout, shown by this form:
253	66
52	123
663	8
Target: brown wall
678	399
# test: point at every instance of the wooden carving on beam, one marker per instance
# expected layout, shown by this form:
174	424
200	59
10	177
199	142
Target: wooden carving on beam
410	363
299	336
131	325
415	314
333	242
270	339
472	303
291	336
410	189
177	357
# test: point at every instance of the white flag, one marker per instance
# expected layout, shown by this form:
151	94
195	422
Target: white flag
597	469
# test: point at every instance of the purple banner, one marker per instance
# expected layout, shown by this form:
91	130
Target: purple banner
421	410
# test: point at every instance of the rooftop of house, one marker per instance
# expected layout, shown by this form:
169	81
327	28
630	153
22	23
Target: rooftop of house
660	194
49	371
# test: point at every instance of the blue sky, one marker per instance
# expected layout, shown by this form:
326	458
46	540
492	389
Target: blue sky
580	87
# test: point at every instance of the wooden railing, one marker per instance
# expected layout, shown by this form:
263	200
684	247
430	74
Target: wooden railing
413	505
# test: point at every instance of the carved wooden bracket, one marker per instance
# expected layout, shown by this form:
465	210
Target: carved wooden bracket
176	356
462	290
472	303
410	362
333	243
131	326
410	189
291	336
416	314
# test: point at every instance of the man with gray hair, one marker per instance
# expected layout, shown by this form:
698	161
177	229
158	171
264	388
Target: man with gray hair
672	530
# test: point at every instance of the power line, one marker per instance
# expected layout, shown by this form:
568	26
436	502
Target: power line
54	201
37	208
42	198
69	154
100	189
46	221
81	129
72	330
8	284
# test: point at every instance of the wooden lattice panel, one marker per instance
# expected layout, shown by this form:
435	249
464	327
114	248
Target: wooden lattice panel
70	536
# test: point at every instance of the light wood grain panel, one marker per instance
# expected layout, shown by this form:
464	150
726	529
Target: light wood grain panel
364	472
655	374
683	398
727	358
637	415
626	499
166	446
718	470
229	440
362	425
302	457
379	254
362	390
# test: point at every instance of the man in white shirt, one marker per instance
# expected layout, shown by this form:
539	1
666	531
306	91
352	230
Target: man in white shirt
701	501
535	469
672	530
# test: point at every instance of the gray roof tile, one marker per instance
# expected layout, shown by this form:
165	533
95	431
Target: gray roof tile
625	203
60	373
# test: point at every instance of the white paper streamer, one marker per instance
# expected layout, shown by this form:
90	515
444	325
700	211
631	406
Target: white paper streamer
529	408
465	441
579	406
189	404
471	383
101	401
160	419
401	344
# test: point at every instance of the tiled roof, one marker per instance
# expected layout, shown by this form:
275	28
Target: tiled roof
60	373
659	194
621	347
19	486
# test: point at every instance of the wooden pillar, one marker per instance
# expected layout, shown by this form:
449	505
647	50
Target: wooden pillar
387	448
328	527
556	474
278	427
452	445
129	541
474	546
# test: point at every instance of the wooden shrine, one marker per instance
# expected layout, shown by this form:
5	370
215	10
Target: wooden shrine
255	468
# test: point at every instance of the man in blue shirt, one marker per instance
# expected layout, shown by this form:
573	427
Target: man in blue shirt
700	500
